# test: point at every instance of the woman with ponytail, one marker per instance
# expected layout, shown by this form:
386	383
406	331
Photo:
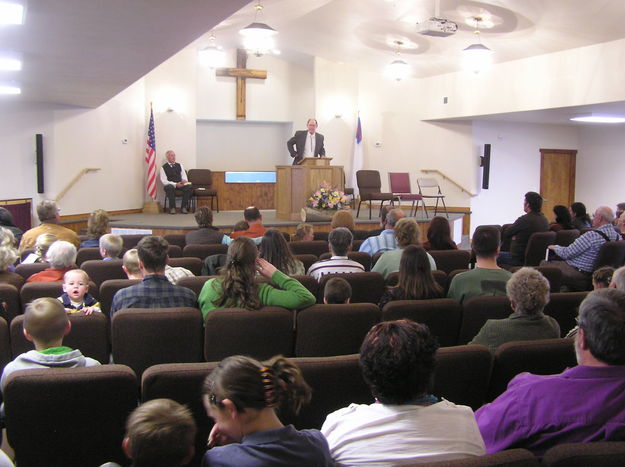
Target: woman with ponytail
244	397
236	286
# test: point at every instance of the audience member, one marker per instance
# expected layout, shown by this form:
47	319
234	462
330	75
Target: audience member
487	279
130	265
6	222
343	218
173	176
407	424
580	219
407	233
97	225
304	232
563	219
154	291
236	286
76	296
386	240
532	221
340	243
383	213
62	257
175	273
416	281
42	244
206	234
242	396
337	291
160	432
528	291
48	214
111	246
620	209
620	225
273	248
602	277
439	235
255	220
577	261
45	325
240	226
584	403
8	256
618	279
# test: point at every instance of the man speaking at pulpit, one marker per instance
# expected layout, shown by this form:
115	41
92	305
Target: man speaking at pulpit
306	143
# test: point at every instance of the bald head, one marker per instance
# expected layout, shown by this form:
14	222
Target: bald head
393	216
603	215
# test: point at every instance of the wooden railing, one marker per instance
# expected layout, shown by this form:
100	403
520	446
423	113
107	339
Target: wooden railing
75	180
450	180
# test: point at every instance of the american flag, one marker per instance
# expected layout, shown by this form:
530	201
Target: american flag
357	157
150	157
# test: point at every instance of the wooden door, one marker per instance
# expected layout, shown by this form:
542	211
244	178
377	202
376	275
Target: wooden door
557	179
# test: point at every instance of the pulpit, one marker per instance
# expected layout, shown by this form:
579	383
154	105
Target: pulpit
296	183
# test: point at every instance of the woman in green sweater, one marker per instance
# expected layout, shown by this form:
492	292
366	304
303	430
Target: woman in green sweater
236	286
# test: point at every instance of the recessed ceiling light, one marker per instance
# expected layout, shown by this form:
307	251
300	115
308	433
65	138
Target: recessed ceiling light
9	89
591	118
11	13
10	64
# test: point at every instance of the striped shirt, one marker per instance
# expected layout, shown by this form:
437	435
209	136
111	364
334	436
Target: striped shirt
334	265
384	242
583	252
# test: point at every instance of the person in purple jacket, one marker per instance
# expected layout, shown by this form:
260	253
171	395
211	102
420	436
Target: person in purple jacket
584	403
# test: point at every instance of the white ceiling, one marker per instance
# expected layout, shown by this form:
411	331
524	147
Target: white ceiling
82	52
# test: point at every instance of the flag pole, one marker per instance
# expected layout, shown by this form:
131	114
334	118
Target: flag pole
151	206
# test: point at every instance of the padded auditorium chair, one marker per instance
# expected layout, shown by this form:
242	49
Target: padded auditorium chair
86	254
449	260
325	330
563	307
310	247
11	298
174	251
367	287
358	256
131	240
143	337
442	315
307	259
194	283
309	282
45	409
260	333
176	239
192	264
595	454
5	345
109	288
541	357
33	290
610	254
551	273
369	188
27	270
439	276
100	270
202	251
566	237
477	310
89	334
537	247
508	458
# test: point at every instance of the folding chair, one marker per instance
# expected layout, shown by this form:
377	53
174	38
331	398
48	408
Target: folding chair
434	192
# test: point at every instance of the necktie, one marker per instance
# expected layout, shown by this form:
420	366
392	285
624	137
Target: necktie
311	145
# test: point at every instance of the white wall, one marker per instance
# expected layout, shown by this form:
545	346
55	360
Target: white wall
600	166
515	165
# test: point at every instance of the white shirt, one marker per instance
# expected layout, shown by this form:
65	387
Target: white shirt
163	176
309	147
384	435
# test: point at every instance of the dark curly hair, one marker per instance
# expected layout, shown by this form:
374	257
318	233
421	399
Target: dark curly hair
397	359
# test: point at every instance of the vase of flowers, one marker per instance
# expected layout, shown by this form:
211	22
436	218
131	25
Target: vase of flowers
323	203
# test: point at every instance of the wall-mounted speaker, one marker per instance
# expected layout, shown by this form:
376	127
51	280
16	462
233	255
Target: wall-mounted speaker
39	149
485	164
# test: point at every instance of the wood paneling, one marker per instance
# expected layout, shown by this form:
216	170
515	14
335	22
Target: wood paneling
557	179
238	196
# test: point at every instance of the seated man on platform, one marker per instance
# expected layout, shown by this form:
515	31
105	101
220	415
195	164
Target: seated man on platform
487	279
306	143
407	424
111	246
339	242
386	240
48	213
62	257
206	234
532	221
577	261
583	404
155	290
174	176
255	220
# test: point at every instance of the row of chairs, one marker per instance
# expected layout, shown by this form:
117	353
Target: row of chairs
98	399
140	338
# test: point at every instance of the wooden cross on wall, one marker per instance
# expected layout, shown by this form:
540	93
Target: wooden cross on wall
241	73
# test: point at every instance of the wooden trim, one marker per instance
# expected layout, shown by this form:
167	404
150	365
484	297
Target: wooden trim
445	177
8	202
85	216
559	151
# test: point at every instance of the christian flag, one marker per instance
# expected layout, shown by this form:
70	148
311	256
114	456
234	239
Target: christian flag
150	157
358	158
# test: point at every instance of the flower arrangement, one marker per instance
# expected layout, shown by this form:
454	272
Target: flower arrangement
328	197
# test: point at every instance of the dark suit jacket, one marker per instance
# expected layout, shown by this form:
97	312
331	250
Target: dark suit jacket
296	146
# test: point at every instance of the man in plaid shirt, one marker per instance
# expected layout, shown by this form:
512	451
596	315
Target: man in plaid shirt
580	257
154	291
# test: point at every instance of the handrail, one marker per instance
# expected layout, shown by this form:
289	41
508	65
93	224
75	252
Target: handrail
447	178
75	180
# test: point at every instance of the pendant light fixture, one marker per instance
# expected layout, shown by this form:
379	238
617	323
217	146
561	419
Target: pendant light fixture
398	69
258	37
477	56
212	56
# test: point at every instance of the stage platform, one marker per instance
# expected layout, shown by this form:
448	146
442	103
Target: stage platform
163	224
